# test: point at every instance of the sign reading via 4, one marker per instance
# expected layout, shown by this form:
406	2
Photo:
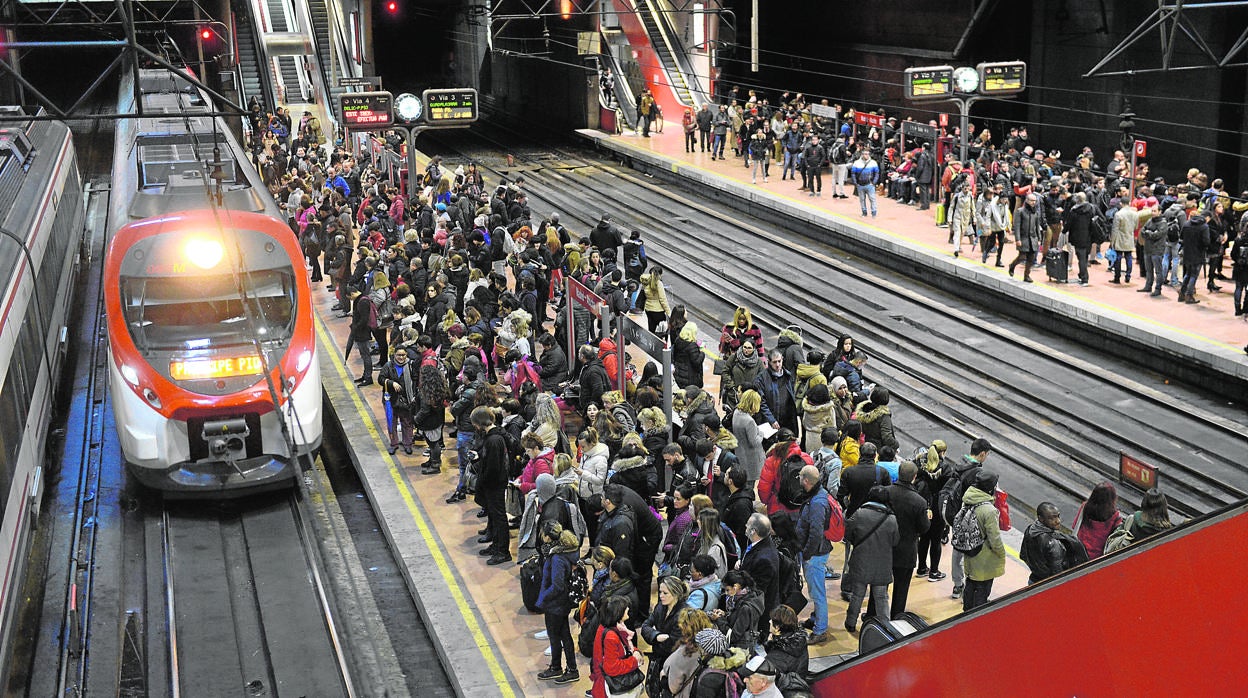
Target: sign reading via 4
450	106
366	111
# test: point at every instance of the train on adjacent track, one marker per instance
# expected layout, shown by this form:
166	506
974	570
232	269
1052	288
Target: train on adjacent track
42	218
213	369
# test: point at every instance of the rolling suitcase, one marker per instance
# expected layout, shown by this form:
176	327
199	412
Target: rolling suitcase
877	632
1057	265
941	219
531	582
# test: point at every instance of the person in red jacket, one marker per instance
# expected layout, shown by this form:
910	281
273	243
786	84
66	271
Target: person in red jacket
541	460
768	482
614	653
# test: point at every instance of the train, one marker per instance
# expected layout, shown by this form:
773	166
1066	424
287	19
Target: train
42	221
213	370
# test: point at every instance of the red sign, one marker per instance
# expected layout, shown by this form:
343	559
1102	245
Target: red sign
1135	471
865	119
944	119
584	297
1141	149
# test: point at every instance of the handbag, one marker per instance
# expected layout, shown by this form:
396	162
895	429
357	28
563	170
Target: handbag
721	367
624	684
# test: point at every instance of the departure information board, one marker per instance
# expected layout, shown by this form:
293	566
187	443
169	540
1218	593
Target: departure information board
366	111
1002	78
930	82
450	106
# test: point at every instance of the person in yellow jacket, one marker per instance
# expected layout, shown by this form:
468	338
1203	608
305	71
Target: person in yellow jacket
657	308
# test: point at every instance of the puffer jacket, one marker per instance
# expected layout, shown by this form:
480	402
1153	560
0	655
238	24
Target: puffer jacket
635	473
768	481
877	424
990	562
741	619
594	466
789	652
872	559
710	684
543	463
553	597
687	358
790	345
814	419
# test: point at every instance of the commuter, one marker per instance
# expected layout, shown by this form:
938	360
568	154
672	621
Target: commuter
842	401
704	120
1195	250
633	467
1046	550
818	415
740	504
690	125
814	158
687	357
849	367
711	537
661	630
433	390
759	674
791	144
772	489
555	604
614	651
492	473
741	368
786	645
1028	227
1097	518
813	545
1078	221
872	533
679	521
721	662
656	306
1239	267
705	586
759	155
961	218
594	380
775	386
989	564
865	173
914	518
887	460
847	447
950	500
840	167
720	125
877	420
553	363
648	538
682	666
398	383
361	335
761	560
741	330
1152	518
932	474
749	440
473	382
740	610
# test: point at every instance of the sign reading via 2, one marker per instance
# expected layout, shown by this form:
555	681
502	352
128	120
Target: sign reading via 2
930	82
366	111
450	106
1002	78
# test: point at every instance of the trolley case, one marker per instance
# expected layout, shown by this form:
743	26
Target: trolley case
941	219
877	632
531	582
1056	265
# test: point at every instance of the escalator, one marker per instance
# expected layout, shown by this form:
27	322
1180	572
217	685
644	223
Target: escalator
679	71
255	81
1160	617
624	103
323	36
286	66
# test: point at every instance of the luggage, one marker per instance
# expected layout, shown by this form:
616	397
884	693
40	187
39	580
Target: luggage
941	218
877	632
1057	265
531	582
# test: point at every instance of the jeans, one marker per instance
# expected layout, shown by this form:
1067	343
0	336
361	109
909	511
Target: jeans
1170	263
815	570
959	574
790	165
866	192
560	641
1154	277
462	439
1191	272
717	147
1130	256
857	590
839	173
976	594
758	165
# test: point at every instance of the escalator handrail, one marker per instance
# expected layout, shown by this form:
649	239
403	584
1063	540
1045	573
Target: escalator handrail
683	66
623	91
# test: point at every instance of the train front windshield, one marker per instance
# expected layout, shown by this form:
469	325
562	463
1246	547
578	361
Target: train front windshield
209	311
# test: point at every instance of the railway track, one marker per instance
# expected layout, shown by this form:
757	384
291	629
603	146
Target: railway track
1056	418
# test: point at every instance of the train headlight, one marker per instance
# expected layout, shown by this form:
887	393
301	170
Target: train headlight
304	360
204	254
131	375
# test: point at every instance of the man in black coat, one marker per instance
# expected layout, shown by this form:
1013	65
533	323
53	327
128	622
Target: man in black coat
924	172
639	539
594	380
492	476
361	334
913	519
1195	238
1046	550
553	369
604	236
739	507
857	481
761	559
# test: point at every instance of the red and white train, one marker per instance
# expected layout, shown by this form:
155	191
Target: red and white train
214	377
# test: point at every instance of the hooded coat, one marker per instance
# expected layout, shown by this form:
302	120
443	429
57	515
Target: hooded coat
877	424
687	358
990	562
872	559
790	345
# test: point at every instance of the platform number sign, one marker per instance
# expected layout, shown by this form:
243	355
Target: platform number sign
366	111
929	82
450	106
1002	78
1141	149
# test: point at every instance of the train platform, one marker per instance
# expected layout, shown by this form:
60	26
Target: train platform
474	612
1202	344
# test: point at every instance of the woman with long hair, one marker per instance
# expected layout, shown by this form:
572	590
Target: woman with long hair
661	629
681	667
614	651
1097	518
656	306
1153	516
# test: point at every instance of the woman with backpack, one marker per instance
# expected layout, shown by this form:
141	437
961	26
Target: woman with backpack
614	653
555	602
661	630
773	488
933	474
681	667
1097	518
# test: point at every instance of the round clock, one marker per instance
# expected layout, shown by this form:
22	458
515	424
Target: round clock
408	107
966	79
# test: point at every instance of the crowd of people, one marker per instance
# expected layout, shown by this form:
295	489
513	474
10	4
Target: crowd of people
727	516
1006	191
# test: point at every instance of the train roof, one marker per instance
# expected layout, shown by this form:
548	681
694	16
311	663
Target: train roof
28	152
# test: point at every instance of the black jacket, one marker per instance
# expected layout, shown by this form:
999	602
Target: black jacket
604	236
554	367
594	382
649	528
789	653
1043	551
763	563
1078	222
618	530
856	483
737	511
492	468
910	508
687	363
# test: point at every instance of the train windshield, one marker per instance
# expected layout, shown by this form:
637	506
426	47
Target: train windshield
202	312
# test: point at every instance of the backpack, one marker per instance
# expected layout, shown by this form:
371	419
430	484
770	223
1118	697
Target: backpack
830	467
578	583
731	546
834	531
1119	538
949	501
1239	259
790	582
790	491
967	536
734	686
1172	227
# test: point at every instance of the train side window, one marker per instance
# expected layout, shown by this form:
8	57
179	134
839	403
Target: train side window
12	425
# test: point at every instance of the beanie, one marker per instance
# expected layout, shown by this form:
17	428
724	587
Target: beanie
545	487
711	642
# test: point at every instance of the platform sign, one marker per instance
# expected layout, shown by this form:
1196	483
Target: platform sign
1141	149
450	106
366	111
865	119
914	129
360	82
929	82
1136	472
579	294
823	110
654	347
1002	78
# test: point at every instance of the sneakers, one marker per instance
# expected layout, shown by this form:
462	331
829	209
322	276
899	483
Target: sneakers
569	676
957	592
936	576
832	574
499	558
921	572
550	673
541	635
818	639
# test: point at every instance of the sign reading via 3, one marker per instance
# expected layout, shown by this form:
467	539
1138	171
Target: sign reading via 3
366	111
450	106
1002	78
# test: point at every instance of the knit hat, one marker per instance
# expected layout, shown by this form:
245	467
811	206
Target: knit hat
711	642
545	487
839	382
986	481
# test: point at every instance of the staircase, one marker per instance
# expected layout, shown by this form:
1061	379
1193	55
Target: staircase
324	40
658	39
285	64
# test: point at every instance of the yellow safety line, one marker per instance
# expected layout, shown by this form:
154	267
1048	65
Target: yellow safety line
431	541
677	164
